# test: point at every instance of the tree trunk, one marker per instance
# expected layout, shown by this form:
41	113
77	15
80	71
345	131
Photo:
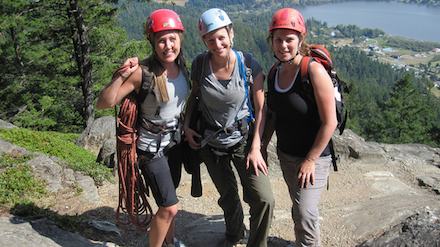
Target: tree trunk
82	51
16	47
17	54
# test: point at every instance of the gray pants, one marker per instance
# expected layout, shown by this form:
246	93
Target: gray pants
305	213
257	193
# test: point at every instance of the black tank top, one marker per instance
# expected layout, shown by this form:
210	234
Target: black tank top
297	118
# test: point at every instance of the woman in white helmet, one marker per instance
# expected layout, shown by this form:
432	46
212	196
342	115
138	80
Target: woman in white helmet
228	131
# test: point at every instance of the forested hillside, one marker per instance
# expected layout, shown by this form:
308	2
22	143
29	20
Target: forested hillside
262	4
44	84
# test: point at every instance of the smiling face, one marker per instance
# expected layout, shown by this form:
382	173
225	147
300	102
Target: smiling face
286	44
167	45
219	41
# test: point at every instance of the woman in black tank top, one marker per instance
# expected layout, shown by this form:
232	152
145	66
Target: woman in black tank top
304	124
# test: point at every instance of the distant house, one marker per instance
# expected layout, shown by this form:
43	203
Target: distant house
374	47
437	84
396	56
436	50
331	33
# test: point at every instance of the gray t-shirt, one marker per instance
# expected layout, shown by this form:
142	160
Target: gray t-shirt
222	102
178	91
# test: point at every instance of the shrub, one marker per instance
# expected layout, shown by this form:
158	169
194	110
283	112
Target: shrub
18	185
59	145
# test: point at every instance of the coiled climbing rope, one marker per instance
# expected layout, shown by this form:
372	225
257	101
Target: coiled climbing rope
133	192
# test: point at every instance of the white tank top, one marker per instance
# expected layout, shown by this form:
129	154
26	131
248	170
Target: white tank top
178	91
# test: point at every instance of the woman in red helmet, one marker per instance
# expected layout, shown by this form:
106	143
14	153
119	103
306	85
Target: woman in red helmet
304	125
162	107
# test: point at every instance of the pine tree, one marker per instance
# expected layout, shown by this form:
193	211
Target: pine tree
52	52
405	114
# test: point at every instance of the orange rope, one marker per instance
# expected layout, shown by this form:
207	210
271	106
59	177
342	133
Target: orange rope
132	189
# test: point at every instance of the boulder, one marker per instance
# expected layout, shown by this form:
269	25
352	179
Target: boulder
107	153
6	125
420	229
94	136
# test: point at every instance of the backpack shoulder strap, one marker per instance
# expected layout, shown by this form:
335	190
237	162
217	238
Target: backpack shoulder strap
200	64
147	77
248	59
305	77
305	64
246	74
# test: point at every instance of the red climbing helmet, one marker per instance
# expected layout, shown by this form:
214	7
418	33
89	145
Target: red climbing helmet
288	18
163	19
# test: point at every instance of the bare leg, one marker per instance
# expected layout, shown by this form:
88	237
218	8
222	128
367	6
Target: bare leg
170	234
161	223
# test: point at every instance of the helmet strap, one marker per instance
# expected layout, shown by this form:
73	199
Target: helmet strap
290	61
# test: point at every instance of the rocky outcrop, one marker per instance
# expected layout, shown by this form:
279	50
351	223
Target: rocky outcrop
54	172
421	229
383	194
354	150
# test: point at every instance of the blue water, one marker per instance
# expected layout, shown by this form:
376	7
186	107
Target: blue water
411	21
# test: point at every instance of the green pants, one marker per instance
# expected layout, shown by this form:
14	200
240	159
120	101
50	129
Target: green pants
257	193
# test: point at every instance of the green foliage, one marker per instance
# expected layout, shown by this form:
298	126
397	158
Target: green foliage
41	79
353	31
231	4
373	100
435	58
38	77
10	159
50	144
413	45
407	115
18	184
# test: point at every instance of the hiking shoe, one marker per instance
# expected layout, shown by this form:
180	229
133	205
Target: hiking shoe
176	243
226	243
236	239
240	243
